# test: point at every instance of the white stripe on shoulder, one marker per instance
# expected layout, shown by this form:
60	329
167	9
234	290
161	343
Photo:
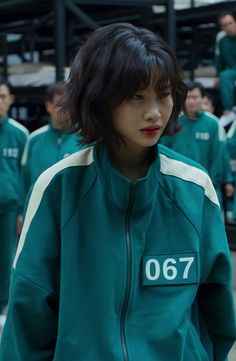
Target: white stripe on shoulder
210	115
189	173
18	125
39	131
83	157
231	130
221	129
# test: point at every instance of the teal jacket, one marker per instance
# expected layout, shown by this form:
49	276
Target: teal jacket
45	147
225	53
13	137
109	269
231	146
201	140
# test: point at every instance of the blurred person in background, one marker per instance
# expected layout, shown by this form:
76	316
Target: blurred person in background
208	102
13	139
231	146
227	165
225	60
48	144
200	138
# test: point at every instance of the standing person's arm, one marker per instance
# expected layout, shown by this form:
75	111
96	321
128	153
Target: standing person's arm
216	150
30	330
215	297
228	178
231	146
219	58
25	183
25	174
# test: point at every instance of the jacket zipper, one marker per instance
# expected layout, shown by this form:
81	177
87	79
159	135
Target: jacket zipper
128	274
59	141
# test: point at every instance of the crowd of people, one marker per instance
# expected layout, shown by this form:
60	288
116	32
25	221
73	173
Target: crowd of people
109	214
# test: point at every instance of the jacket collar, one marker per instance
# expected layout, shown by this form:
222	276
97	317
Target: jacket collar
4	121
118	188
54	130
198	116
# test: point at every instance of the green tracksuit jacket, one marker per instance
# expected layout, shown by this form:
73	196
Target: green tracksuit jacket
199	139
231	146
225	52
45	147
13	137
225	57
109	269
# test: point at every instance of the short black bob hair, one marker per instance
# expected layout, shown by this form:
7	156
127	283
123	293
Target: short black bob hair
115	62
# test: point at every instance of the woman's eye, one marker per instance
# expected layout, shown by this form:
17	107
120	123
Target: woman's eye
136	97
165	94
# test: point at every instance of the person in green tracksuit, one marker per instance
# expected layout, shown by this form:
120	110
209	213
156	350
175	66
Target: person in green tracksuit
48	144
225	61
227	163
200	138
231	146
123	254
13	137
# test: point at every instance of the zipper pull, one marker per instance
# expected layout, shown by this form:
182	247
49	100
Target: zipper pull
133	185
59	140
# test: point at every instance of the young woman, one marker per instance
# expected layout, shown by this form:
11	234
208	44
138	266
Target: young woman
123	254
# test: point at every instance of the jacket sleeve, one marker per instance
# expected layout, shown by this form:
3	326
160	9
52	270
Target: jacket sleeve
215	295
215	166
25	175
31	326
231	147
219	61
227	172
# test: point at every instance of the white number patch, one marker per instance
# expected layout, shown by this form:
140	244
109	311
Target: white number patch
10	152
177	269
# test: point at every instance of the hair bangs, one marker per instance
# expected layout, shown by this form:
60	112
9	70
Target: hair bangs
155	72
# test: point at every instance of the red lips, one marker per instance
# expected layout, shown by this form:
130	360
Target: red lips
151	130
150	127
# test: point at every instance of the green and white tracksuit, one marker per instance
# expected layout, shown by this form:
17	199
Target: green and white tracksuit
13	138
225	60
201	140
231	146
45	147
110	269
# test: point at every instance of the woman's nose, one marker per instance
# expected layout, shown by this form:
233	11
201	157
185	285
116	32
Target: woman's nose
152	114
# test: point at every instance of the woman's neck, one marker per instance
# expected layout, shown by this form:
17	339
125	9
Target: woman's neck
132	163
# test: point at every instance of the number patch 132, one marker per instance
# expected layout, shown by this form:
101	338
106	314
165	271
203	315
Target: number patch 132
170	269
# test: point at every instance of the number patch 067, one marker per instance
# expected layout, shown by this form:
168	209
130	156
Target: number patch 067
170	269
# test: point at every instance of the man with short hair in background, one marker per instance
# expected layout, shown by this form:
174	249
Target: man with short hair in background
200	138
13	137
225	50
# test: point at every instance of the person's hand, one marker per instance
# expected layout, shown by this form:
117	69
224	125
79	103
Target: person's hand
216	82
19	224
229	190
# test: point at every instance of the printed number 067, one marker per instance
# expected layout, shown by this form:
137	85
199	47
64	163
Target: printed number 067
169	268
